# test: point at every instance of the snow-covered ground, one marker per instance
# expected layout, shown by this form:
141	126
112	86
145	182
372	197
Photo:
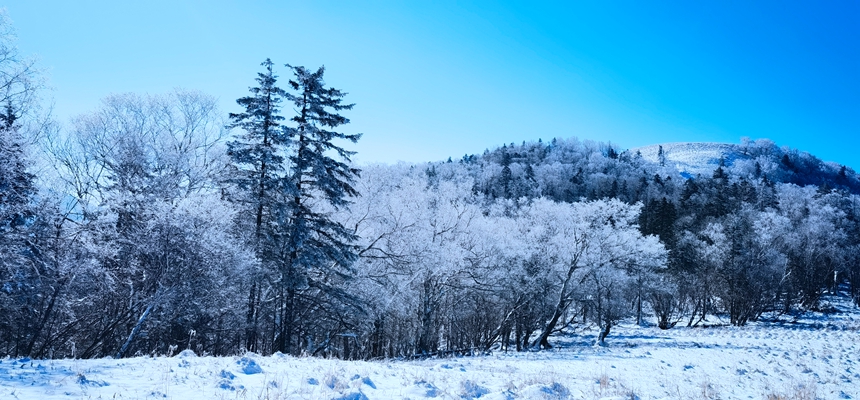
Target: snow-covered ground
816	357
691	158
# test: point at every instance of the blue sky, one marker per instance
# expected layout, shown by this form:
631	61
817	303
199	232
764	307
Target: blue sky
437	79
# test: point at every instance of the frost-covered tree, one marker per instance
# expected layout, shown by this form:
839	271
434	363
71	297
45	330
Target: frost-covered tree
257	156
432	267
291	175
258	150
314	251
17	187
21	288
141	175
815	239
20	80
443	275
597	242
753	265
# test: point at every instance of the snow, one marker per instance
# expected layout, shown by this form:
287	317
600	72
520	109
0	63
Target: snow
692	158
817	355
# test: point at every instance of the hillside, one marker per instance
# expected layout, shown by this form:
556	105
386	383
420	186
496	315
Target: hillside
692	158
753	160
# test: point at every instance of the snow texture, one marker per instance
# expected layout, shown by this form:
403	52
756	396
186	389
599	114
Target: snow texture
815	356
692	158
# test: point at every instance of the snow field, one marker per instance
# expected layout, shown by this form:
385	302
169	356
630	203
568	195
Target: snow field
691	158
816	359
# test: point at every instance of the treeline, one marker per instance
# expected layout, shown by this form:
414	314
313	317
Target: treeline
741	241
155	223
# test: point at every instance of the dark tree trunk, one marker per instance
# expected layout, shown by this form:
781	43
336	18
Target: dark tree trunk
251	333
542	342
604	332
425	340
519	335
47	314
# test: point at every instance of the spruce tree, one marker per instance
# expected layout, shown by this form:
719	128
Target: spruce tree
318	251
16	189
18	284
259	149
507	176
257	157
16	184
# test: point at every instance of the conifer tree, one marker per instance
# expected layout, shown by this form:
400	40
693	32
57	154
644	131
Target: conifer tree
507	176
16	184
20	82
17	286
290	177
257	156
318	250
259	148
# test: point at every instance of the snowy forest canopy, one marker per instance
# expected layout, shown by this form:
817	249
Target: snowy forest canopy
157	222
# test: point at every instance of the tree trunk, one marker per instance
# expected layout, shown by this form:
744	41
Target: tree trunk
135	330
604	332
518	335
542	341
693	314
639	302
48	311
289	319
500	330
251	320
425	339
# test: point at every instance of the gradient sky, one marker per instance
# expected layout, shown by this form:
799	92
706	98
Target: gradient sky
437	79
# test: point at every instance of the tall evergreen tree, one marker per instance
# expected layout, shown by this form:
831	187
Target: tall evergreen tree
257	155
259	149
507	176
21	287
16	184
318	250
18	285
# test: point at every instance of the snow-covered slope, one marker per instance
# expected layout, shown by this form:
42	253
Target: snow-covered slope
815	357
692	158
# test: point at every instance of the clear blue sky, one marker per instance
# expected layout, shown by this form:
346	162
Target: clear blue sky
438	79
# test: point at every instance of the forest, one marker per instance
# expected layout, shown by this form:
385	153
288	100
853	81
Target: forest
157	222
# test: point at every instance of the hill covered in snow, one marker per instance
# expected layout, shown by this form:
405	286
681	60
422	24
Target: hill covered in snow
751	159
692	158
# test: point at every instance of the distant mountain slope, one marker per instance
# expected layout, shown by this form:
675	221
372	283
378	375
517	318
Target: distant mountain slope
692	158
568	169
751	159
